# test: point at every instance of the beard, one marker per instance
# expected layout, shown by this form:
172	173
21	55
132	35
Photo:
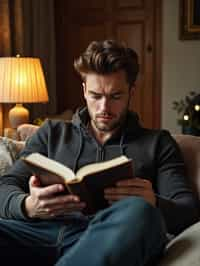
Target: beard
113	122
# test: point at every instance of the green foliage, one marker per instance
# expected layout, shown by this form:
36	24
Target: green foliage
39	121
186	107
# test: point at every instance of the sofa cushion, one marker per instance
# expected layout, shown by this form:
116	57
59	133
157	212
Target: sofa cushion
183	250
190	147
25	131
9	150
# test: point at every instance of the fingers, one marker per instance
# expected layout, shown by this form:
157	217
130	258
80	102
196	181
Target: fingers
48	202
58	210
131	187
34	181
116	195
136	182
59	200
120	190
63	210
60	205
45	191
47	208
50	191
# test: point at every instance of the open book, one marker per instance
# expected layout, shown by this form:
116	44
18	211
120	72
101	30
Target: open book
88	182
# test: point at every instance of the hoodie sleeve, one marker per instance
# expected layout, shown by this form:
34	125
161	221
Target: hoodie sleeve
175	197
14	184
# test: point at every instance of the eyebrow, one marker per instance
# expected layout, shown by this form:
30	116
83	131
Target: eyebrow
99	94
95	93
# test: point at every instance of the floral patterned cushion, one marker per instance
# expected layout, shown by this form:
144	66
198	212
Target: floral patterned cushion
9	150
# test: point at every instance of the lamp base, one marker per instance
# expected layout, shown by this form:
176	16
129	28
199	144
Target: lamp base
11	133
18	115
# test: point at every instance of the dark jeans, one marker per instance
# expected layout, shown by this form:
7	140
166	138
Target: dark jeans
130	233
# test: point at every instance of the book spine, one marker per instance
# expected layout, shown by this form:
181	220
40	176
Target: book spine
69	189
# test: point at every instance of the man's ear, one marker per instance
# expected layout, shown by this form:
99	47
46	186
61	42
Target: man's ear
131	90
84	89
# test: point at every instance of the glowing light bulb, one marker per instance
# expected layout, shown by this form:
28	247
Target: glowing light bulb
186	117
197	107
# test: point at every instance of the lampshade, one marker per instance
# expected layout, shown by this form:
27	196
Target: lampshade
21	81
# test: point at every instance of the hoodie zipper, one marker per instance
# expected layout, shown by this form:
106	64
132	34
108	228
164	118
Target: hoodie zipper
101	153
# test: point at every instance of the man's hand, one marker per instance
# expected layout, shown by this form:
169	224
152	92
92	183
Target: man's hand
47	202
131	187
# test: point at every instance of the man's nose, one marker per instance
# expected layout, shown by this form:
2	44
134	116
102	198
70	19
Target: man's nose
104	104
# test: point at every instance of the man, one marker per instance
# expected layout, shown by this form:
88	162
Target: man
132	230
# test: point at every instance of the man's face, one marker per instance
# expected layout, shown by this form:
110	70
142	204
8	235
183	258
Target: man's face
107	98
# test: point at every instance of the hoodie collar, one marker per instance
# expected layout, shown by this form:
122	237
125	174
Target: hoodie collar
131	126
81	118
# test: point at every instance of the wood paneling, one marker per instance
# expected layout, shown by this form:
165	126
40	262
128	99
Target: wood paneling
131	21
130	3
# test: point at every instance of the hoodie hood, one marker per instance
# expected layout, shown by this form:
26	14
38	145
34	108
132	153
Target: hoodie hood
81	117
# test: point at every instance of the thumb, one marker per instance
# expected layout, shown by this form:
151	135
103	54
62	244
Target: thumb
34	181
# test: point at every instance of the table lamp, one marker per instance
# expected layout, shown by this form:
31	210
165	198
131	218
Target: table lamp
21	81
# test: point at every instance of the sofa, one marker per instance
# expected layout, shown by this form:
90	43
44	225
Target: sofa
182	250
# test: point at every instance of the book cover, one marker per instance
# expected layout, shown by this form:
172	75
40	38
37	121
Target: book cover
88	183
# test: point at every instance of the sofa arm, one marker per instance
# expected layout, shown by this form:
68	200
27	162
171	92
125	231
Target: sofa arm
184	249
190	148
26	130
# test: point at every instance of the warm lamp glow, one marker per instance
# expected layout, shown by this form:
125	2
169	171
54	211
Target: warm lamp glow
21	81
186	117
197	107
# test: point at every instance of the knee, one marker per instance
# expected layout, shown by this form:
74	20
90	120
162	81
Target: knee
135	205
136	209
139	204
142	215
132	212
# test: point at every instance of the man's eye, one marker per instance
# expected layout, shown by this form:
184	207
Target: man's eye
96	97
116	96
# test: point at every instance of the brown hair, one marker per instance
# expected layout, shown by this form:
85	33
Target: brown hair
106	57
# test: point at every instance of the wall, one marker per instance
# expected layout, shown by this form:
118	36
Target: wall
181	65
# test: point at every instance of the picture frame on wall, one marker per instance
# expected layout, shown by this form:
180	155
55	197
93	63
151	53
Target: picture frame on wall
189	19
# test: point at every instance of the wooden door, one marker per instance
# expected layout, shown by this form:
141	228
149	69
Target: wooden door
135	22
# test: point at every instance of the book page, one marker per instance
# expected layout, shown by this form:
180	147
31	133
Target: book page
99	166
45	163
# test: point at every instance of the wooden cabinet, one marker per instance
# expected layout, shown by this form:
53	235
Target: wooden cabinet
136	22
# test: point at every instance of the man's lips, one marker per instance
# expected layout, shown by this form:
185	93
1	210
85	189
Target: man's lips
105	117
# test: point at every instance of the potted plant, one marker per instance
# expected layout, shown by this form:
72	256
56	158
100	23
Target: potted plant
188	110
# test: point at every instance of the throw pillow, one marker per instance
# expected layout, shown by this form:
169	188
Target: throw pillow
9	150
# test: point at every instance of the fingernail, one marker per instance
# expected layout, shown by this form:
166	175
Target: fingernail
60	187
75	198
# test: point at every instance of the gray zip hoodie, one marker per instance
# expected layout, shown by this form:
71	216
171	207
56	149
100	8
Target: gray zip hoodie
155	154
